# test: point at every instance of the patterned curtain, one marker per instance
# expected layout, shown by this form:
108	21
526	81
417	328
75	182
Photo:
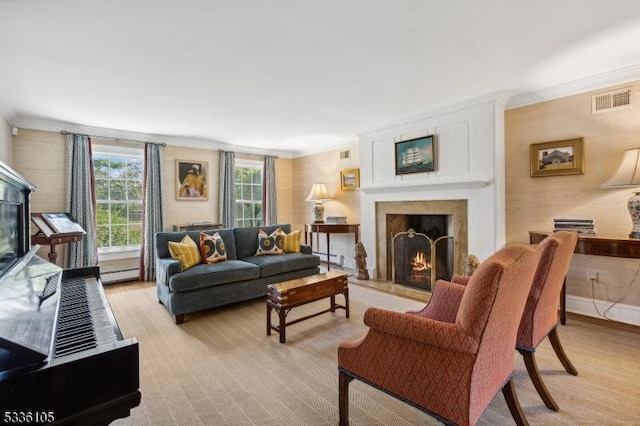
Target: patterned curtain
227	189
151	209
80	200
269	202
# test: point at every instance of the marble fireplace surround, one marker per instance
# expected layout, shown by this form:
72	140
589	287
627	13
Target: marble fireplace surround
456	210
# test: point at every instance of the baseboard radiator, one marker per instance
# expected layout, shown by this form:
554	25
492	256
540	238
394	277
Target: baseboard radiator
119	275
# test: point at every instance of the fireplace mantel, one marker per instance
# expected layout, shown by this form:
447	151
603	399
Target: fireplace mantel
405	186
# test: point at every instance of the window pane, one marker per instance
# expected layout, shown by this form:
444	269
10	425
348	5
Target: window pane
118	213
257	192
118	189
101	167
135	234
102	214
256	176
134	170
247	211
238	192
239	211
102	189
135	213
134	190
103	236
119	235
117	168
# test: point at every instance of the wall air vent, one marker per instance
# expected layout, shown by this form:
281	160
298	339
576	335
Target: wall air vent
345	154
609	101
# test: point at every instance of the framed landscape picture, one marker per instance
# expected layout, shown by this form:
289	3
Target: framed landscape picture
349	179
191	180
557	158
416	155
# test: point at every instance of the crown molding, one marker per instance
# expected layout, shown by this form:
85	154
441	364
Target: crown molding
496	98
588	84
125	135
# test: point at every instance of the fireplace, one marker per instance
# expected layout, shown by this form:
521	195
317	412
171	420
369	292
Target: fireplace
419	260
395	217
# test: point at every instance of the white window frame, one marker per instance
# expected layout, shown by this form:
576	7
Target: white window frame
251	164
118	252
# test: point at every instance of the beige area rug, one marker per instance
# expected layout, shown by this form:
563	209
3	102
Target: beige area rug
220	368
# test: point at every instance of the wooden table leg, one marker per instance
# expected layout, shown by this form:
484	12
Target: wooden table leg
333	303
346	301
328	255
282	316
269	319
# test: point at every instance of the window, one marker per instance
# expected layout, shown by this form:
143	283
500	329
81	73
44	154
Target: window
248	184
118	178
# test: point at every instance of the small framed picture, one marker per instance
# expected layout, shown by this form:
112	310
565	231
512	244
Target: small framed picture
416	155
557	158
191	180
349	179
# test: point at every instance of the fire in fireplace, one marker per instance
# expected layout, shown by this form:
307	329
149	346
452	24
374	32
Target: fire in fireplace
418	261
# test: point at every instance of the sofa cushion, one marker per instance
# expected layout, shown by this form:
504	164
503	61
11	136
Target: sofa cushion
186	251
292	242
162	239
246	239
207	275
270	244
274	265
212	248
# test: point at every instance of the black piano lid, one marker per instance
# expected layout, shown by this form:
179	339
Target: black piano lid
27	320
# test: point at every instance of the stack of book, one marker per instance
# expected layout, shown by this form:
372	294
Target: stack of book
336	220
583	226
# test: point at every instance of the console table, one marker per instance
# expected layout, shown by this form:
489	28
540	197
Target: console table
201	226
328	229
596	245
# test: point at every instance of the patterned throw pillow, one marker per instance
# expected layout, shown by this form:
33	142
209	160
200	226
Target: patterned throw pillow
212	248
270	244
186	251
292	242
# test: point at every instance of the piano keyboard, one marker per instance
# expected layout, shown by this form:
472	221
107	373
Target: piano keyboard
83	321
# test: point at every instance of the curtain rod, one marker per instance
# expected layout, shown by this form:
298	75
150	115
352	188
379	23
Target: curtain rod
250	153
64	132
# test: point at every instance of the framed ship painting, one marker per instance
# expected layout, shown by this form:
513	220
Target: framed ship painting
416	155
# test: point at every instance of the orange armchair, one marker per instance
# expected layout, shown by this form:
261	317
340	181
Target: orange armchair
540	316
451	358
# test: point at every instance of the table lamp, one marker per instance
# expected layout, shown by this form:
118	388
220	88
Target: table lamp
628	175
319	194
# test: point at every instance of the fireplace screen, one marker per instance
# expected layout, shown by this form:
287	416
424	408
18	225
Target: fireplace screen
418	261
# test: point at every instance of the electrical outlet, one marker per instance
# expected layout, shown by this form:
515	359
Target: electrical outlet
592	275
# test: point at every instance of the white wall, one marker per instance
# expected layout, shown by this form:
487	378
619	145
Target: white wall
5	141
470	165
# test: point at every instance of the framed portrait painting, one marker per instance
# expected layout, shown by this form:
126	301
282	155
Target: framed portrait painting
557	158
191	180
416	155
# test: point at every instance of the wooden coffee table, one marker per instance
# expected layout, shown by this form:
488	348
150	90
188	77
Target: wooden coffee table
288	294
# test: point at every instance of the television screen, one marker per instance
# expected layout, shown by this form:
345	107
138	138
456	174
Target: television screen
8	235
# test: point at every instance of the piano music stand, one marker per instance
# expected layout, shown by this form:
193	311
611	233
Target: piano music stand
51	235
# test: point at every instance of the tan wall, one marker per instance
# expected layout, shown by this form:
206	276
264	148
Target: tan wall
533	203
325	168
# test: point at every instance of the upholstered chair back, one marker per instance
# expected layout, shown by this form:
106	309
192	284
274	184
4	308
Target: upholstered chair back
541	311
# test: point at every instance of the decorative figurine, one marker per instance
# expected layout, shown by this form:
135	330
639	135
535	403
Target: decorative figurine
360	261
470	264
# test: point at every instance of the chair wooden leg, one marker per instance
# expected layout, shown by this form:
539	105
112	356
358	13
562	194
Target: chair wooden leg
179	318
557	347
509	392
532	369
343	398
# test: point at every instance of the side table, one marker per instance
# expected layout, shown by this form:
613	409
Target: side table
328	229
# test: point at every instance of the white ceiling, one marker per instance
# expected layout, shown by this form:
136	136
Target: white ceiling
290	75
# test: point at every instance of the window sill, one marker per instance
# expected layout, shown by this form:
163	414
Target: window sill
118	253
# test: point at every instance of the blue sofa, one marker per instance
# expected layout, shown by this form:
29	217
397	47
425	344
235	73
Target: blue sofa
242	276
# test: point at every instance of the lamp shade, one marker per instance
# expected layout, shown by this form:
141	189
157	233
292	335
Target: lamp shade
628	171
318	193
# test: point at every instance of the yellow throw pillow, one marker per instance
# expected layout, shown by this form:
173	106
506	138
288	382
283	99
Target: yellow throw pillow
212	248
292	242
270	244
186	251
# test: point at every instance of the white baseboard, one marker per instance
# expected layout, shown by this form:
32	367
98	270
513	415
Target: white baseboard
119	276
628	314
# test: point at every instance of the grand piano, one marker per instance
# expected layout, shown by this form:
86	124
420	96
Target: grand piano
63	359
